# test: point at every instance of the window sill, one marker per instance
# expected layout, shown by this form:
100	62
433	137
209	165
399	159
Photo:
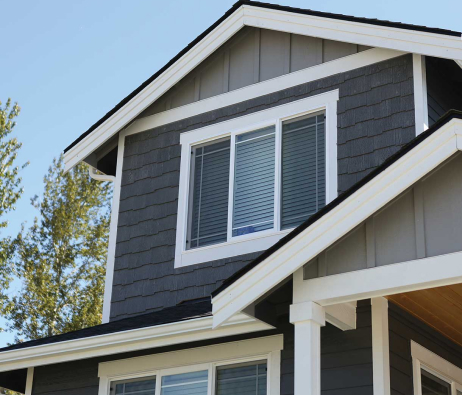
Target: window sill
241	245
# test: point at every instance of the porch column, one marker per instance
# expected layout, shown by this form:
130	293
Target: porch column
308	318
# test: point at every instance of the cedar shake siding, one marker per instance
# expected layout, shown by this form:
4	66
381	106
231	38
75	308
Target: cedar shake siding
375	118
403	328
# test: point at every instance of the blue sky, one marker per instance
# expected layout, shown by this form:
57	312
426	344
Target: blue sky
68	62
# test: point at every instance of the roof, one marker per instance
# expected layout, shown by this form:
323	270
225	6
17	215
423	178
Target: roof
452	114
369	21
181	312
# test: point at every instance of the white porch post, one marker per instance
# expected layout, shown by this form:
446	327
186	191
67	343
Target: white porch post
308	318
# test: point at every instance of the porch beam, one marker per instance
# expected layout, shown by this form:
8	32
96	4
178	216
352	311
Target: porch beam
308	318
396	278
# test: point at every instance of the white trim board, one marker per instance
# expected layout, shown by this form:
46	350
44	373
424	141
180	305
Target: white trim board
273	116
113	230
387	185
201	358
380	347
132	340
84	148
29	381
420	93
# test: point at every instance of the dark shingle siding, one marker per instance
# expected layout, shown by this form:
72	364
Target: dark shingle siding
375	118
402	329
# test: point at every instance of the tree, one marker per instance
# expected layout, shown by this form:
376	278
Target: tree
61	258
10	187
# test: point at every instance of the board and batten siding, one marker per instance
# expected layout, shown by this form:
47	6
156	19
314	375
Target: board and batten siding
252	55
403	328
375	118
424	221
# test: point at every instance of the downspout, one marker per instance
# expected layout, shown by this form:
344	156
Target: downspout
99	177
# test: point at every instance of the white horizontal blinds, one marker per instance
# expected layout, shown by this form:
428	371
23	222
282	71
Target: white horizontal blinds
144	386
250	379
209	194
254	182
432	385
193	383
303	169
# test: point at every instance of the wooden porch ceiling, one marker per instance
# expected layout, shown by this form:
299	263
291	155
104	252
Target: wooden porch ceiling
440	308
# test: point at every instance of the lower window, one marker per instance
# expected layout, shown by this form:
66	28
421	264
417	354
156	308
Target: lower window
434	375
237	379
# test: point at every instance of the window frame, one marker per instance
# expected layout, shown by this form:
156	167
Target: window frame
423	359
275	116
267	349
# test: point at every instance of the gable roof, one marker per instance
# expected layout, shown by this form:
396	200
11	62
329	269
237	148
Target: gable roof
264	6
225	300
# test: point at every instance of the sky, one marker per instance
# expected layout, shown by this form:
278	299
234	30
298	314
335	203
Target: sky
69	62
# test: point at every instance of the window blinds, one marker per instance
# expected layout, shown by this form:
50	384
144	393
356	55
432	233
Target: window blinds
254	182
242	380
210	190
303	169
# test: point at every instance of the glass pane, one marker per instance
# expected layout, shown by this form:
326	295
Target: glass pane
249	379
432	385
254	182
208	220
303	169
193	383
144	386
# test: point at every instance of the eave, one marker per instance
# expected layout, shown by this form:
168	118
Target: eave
127	341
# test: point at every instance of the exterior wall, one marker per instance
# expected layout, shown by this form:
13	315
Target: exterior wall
444	87
375	118
346	356
251	56
403	328
424	221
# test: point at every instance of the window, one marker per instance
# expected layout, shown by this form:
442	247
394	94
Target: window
144	386
246	367
236	379
434	375
247	182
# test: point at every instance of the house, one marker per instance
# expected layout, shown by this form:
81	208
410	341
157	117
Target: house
287	218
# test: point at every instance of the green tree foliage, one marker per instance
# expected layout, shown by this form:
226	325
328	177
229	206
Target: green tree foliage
61	258
10	187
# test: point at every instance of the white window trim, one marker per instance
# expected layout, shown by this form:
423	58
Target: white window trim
196	359
273	116
434	364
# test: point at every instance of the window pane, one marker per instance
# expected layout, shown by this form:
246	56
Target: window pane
242	380
432	385
303	169
254	182
209	194
144	386
194	383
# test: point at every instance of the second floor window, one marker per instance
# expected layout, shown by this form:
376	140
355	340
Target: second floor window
265	180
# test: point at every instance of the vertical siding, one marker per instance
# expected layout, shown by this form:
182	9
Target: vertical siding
403	328
375	118
250	56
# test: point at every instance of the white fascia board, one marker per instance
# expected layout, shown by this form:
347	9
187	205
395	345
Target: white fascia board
387	185
120	342
459	62
424	43
154	90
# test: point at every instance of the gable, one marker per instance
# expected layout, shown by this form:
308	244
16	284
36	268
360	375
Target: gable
424	221
252	55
